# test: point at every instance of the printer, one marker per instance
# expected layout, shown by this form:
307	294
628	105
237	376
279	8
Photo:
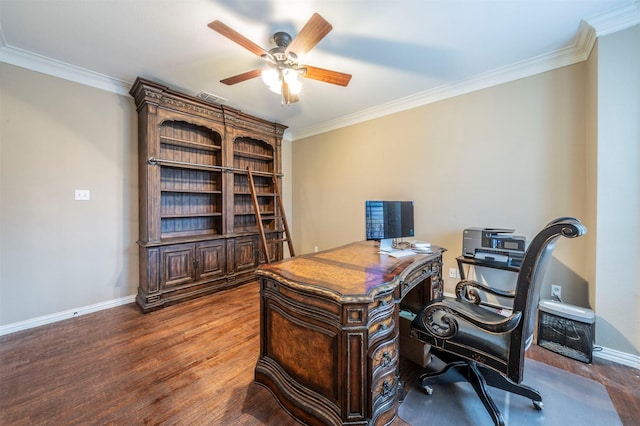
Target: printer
494	245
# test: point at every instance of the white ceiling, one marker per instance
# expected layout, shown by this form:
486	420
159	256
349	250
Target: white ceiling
401	53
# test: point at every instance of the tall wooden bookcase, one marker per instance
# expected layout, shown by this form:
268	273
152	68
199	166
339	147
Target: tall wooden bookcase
198	229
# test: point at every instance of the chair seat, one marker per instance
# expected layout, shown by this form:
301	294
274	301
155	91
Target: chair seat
469	336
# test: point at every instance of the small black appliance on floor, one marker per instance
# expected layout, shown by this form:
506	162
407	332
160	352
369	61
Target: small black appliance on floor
566	329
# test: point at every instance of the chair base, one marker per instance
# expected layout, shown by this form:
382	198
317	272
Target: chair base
479	377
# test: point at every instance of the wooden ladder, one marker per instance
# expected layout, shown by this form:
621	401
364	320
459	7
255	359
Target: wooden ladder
278	214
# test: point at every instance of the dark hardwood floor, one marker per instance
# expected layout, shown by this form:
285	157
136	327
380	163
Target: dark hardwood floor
190	363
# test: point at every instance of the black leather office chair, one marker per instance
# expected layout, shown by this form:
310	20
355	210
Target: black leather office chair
484	347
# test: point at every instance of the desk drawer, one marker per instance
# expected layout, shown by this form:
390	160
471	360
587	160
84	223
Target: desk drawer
382	303
384	390
382	326
384	357
381	316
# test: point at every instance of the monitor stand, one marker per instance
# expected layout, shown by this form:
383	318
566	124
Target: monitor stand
386	245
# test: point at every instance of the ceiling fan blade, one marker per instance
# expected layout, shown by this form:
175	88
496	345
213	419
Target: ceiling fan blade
327	76
241	77
313	31
287	95
235	36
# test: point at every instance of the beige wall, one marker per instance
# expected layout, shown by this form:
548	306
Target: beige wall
617	274
57	253
592	163
286	185
509	156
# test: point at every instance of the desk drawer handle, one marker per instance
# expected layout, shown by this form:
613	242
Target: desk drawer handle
386	359
386	389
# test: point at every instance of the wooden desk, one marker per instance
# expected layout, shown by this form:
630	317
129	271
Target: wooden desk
329	330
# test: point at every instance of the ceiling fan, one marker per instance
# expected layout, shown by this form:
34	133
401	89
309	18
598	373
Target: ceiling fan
282	66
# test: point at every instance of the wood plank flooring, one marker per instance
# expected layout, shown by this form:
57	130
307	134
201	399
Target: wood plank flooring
188	364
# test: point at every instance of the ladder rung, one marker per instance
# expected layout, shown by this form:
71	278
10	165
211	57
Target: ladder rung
279	240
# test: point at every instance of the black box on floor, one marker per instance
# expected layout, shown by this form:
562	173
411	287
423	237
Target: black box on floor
410	348
566	329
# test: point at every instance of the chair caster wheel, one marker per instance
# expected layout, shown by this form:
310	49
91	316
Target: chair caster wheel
538	405
428	389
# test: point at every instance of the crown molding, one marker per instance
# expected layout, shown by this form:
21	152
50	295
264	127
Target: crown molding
31	61
498	76
590	29
616	20
579	51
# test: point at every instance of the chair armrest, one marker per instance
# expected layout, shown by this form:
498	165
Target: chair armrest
440	318
467	290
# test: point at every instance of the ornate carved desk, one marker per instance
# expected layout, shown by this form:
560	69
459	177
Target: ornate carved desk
329	330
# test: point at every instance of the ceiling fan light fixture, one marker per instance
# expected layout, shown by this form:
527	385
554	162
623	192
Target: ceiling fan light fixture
270	76
273	78
276	88
290	75
295	86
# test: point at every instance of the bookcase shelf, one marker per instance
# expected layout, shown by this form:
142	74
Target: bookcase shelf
188	143
253	155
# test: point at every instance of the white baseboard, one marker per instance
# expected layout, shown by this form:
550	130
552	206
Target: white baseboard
59	316
624	358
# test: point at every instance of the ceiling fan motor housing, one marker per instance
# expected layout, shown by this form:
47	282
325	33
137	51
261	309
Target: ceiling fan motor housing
282	39
279	55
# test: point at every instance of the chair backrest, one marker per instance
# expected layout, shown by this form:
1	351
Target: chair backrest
529	282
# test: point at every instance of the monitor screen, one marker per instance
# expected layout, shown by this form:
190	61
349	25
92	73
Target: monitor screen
388	219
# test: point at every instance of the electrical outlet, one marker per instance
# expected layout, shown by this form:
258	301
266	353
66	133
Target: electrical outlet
453	273
556	291
82	195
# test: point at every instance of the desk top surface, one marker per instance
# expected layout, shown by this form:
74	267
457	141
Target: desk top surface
355	271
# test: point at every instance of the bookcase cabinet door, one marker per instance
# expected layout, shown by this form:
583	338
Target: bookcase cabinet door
274	242
245	254
211	258
178	265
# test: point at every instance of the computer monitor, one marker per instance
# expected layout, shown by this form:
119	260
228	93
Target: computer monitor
388	220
